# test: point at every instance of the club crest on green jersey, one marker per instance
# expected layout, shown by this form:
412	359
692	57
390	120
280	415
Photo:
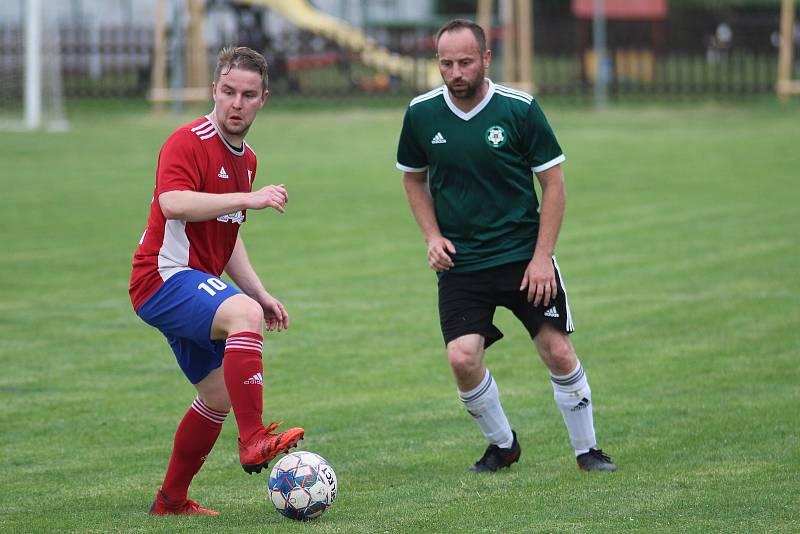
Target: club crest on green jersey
495	136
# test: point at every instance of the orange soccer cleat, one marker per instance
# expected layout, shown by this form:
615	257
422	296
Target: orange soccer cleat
163	506
263	447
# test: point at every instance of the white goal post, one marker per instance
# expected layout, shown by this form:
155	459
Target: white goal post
32	95
33	64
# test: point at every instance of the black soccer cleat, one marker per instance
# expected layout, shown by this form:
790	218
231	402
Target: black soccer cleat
595	460
497	458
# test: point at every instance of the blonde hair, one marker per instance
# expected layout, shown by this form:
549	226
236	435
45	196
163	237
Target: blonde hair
244	58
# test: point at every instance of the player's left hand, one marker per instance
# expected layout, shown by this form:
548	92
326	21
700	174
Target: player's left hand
275	315
540	281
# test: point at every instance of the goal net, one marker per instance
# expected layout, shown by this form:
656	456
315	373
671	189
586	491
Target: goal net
31	91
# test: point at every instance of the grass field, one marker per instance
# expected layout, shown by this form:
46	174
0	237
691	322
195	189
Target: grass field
680	251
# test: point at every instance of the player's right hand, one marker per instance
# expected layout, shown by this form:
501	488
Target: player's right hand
440	250
271	196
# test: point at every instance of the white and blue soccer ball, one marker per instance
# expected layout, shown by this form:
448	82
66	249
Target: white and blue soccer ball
302	485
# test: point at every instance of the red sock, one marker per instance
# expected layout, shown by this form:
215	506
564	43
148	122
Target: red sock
242	367
194	440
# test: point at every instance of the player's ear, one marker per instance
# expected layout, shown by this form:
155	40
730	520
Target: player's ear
214	91
264	97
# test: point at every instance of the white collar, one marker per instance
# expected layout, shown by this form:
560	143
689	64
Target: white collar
234	150
474	111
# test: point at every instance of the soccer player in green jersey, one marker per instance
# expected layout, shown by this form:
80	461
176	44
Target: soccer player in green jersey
468	150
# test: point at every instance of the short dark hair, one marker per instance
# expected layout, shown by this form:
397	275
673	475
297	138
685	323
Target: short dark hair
241	57
464	24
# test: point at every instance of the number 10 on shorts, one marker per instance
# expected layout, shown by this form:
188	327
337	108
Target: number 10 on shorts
212	284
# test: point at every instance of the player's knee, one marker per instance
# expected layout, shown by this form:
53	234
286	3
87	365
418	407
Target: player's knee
562	354
252	313
558	354
243	314
462	360
562	361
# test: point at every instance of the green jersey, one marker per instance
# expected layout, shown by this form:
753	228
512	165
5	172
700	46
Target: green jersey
479	170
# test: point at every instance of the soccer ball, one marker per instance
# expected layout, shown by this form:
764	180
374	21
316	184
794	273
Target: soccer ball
302	485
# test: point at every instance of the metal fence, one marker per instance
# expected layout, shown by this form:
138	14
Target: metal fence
688	54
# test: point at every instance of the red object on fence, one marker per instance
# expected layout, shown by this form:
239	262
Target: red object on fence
312	61
640	10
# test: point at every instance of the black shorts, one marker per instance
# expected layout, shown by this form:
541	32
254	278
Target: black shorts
467	302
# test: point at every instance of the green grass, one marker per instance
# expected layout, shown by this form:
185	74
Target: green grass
680	252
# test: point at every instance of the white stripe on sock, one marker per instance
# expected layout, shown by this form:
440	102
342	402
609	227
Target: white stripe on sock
244	343
212	415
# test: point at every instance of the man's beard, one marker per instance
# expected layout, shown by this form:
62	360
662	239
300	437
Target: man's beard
467	92
241	130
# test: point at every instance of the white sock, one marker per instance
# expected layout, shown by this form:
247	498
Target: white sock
574	398
483	404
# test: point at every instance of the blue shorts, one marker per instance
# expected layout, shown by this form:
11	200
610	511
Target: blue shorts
183	310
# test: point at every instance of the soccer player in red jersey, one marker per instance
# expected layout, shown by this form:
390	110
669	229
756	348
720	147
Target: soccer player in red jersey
202	196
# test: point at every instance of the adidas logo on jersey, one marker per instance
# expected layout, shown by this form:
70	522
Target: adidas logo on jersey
222	173
584	403
552	312
438	139
255	379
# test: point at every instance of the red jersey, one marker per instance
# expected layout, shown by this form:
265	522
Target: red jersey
195	158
